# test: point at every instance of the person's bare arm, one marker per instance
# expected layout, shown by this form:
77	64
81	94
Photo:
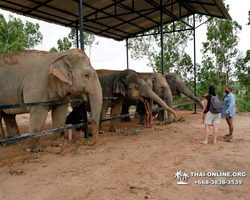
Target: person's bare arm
204	106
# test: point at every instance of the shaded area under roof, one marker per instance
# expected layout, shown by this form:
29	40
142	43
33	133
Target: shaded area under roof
116	19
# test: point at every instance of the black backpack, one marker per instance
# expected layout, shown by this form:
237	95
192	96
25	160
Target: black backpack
216	104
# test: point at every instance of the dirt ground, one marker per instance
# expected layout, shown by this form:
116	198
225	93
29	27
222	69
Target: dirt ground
135	163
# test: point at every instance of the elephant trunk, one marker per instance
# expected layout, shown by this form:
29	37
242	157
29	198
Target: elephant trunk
95	98
150	94
169	101
189	94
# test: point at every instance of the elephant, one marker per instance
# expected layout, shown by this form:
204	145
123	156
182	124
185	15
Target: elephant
39	76
11	126
178	87
158	84
124	84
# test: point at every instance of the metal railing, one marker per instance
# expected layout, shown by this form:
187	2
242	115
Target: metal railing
52	131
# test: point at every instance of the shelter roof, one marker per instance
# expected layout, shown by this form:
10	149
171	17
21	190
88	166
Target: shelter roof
117	19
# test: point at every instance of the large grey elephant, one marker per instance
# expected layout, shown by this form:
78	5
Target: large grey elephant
178	87
39	76
124	84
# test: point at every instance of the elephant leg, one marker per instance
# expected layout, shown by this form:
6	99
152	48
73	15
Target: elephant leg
105	106
38	115
59	114
115	111
2	133
142	119
11	125
125	110
160	116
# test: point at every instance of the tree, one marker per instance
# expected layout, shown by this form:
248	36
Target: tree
248	18
243	73
16	35
70	42
219	52
62	45
176	59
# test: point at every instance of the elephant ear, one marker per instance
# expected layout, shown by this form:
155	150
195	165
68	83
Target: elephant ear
119	85
150	81
62	69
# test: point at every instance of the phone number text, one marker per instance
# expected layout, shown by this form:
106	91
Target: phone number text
219	182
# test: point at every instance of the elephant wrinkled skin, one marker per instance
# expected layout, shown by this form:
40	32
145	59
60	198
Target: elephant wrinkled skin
39	76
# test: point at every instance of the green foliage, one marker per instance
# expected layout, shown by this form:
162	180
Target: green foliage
159	124
248	18
132	107
17	35
243	73
70	42
181	100
175	57
244	105
137	130
189	107
181	119
219	53
53	49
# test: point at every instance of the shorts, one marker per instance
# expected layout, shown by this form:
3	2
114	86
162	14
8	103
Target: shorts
211	118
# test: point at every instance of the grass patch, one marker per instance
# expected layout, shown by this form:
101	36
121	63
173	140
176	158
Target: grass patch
137	130
181	119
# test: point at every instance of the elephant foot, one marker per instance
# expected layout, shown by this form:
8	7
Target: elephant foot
160	117
58	141
92	142
142	119
34	146
113	128
142	122
126	119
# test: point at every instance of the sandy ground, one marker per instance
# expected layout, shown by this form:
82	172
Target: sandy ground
130	164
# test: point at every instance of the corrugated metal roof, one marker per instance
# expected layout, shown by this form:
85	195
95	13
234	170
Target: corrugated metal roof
117	19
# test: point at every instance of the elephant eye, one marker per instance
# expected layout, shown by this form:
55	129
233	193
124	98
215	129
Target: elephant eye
138	84
86	76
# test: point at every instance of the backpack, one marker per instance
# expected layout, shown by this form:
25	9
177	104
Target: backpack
215	105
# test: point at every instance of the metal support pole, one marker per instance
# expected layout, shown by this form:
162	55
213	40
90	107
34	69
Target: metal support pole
82	48
194	61
127	52
81	25
86	134
77	39
162	52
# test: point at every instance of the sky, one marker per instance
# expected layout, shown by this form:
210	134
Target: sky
111	54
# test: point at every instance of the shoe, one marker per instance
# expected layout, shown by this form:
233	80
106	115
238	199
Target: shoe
228	137
202	142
